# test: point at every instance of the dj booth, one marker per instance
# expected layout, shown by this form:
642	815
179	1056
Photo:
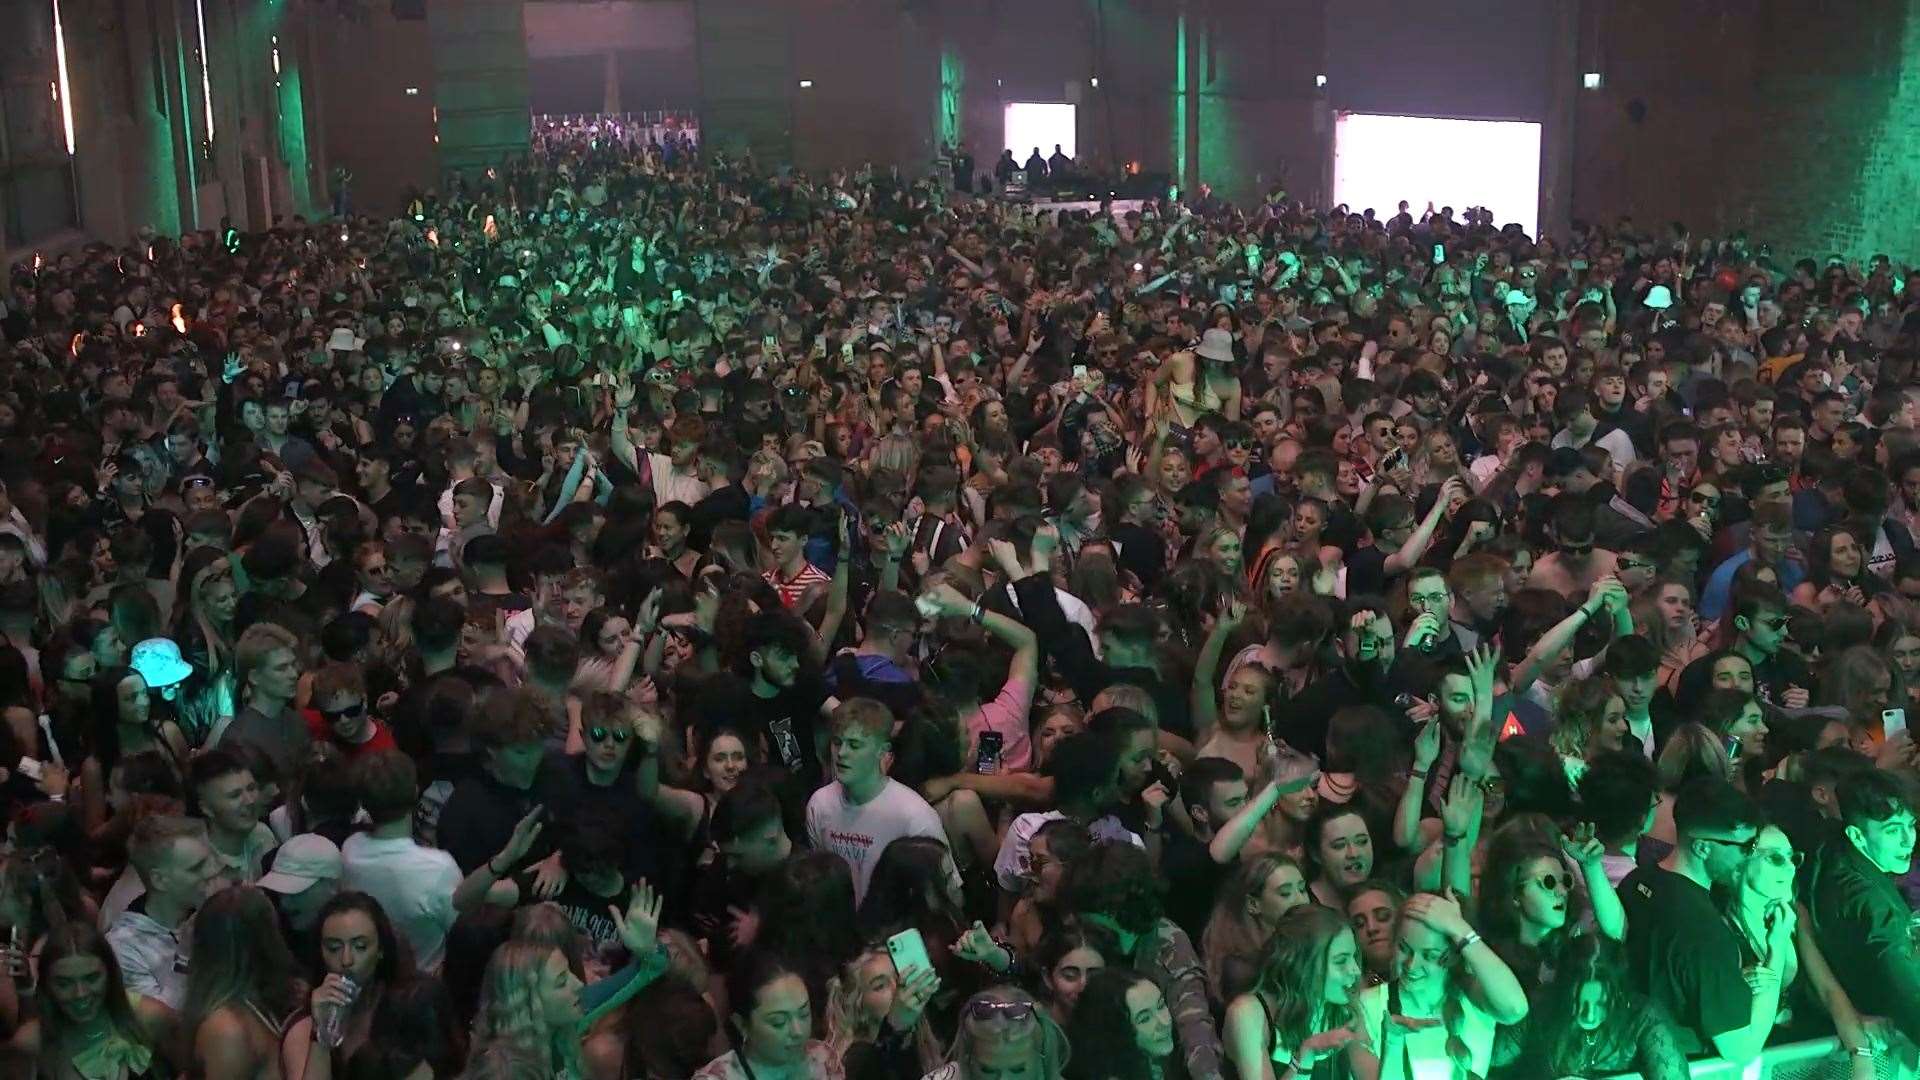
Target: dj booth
1084	193
1121	207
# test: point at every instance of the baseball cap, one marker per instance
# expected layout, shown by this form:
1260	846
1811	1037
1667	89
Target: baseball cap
300	862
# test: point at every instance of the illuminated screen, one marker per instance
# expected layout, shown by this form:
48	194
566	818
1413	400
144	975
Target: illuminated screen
1380	160
1041	124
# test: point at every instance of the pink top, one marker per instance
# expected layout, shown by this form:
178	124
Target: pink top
1006	714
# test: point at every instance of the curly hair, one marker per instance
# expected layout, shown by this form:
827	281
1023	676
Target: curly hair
510	1011
1115	879
1501	887
1582	703
1101	1029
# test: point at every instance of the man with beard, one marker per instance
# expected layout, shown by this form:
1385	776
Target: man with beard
1364	677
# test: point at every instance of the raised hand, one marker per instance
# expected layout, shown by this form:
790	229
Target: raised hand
1582	846
1441	914
639	925
910	998
1463	806
1426	746
525	832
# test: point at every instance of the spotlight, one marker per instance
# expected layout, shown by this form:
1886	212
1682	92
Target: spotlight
1591	80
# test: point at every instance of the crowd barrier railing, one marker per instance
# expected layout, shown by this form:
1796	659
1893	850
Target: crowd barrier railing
1815	1059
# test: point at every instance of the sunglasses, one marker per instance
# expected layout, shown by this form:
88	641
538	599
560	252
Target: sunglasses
1012	1012
346	712
1554	882
1745	846
602	734
1780	859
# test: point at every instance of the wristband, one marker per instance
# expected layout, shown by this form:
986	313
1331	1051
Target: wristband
979	608
1473	938
1418	774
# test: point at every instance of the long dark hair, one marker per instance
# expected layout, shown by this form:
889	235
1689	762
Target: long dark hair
909	888
806	913
79	938
396	957
1101	1030
104	732
416	1024
239	958
1561	1045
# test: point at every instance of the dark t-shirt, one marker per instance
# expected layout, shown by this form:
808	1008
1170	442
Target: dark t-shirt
1185	860
600	944
1684	956
563	786
480	816
787	722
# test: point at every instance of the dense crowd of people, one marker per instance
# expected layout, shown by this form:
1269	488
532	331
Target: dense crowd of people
637	615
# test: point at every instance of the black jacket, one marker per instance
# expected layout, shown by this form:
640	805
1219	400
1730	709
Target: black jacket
1863	925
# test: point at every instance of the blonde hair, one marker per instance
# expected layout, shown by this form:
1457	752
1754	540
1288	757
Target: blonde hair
899	453
395	623
256	643
510	1011
1052	1042
1691	751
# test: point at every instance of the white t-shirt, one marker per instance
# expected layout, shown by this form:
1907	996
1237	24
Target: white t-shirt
672	485
860	833
1010	865
413	884
1426	1048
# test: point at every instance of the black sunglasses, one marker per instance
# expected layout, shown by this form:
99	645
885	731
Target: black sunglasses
601	734
1553	882
346	712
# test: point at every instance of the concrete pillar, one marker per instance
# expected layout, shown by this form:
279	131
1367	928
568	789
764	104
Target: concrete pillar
610	83
1193	17
1557	133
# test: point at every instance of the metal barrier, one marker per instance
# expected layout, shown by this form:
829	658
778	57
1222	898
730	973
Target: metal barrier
1816	1059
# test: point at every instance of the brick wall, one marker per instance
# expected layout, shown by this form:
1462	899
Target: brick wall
1796	123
